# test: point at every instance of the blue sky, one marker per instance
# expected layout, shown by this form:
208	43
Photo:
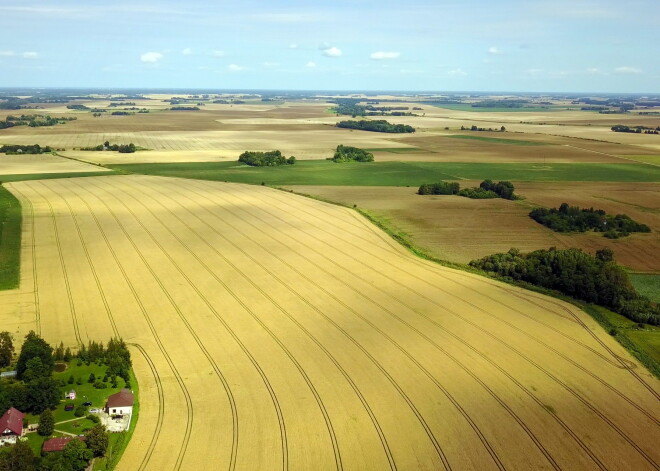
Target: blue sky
494	45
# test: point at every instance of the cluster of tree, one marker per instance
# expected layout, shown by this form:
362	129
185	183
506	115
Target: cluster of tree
185	108
33	120
597	280
351	154
121	113
476	128
636	129
34	389
265	159
594	108
378	125
349	106
575	219
440	188
121	148
77	107
502	189
27	149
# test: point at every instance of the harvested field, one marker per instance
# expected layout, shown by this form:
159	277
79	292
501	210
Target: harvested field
460	229
42	163
277	332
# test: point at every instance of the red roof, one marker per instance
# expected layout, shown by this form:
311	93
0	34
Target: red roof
12	420
121	399
58	444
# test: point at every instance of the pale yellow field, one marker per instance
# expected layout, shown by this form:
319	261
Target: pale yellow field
43	163
275	332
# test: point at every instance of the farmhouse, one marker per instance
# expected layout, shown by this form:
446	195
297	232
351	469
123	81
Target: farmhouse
120	403
11	426
58	444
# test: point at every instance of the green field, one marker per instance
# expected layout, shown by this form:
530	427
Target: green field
10	240
647	285
323	172
498	140
649	159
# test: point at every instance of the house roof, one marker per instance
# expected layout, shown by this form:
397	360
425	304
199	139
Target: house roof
121	399
12	420
58	444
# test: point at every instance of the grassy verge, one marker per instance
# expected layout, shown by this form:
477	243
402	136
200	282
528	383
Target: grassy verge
20	177
647	285
323	172
10	240
642	342
498	140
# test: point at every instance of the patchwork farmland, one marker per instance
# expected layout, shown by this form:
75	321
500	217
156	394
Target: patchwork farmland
271	331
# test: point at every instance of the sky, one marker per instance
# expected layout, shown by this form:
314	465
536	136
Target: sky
413	45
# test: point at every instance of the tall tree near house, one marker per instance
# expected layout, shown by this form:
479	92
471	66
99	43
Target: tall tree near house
6	349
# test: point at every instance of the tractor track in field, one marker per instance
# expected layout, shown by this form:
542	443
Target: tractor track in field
179	379
554	378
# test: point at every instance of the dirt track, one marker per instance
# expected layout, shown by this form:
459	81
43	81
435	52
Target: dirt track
275	332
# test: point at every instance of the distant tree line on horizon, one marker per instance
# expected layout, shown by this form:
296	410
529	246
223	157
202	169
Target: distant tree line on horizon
476	128
33	120
11	149
598	280
265	159
575	219
635	129
378	125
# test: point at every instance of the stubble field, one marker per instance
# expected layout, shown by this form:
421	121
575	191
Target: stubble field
272	331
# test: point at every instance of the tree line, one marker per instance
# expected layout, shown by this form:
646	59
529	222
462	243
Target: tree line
378	125
635	129
33	120
575	219
595	279
106	146
24	149
265	159
486	190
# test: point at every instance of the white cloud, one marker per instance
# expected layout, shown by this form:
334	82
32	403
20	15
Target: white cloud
628	70
187	51
235	68
380	55
30	55
310	64
456	73
293	46
7	53
218	53
151	57
495	51
332	52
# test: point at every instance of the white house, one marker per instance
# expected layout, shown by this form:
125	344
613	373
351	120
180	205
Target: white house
120	403
71	394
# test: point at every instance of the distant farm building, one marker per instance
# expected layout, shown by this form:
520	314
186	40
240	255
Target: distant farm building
11	426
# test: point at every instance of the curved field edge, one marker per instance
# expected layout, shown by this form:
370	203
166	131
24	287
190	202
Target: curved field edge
10	240
641	343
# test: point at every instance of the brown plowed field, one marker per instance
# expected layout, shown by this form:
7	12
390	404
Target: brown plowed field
461	229
275	332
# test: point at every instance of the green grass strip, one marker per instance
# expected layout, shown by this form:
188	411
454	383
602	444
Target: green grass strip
10	240
647	285
404	173
22	177
498	140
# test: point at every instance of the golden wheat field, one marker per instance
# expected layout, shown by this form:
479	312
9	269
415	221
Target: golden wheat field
270	331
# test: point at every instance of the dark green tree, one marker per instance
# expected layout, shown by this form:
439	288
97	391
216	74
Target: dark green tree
97	440
19	458
34	346
6	349
77	455
46	423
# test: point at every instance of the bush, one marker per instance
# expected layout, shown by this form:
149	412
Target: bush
440	188
100	384
478	193
94	418
80	411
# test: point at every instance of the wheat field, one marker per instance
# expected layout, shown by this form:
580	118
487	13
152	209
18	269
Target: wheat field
271	331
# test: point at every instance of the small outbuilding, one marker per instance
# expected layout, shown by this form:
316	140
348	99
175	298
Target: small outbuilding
71	394
11	426
58	444
120	403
